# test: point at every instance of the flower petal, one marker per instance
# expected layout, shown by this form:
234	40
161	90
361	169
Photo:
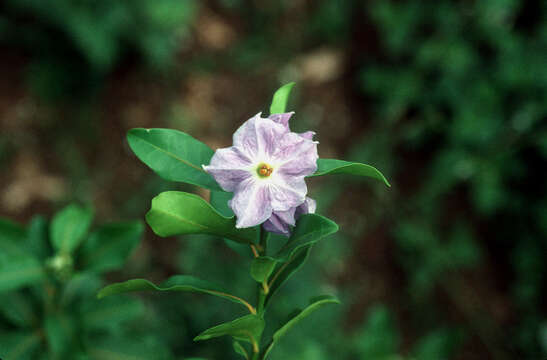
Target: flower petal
307	135
287	191
258	137
282	119
308	207
279	222
251	203
296	155
229	166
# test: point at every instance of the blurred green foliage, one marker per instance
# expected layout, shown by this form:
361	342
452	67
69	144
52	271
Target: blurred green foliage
49	276
463	86
74	44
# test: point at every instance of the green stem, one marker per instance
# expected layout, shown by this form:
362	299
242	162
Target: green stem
261	298
262	288
264	236
261	301
255	356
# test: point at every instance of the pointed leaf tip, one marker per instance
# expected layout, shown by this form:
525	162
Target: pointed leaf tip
262	267
280	99
334	166
174	283
247	328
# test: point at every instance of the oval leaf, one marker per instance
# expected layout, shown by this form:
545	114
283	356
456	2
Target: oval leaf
109	246
262	267
59	331
334	166
247	328
174	283
315	304
280	98
69	227
178	213
173	155
20	271
309	229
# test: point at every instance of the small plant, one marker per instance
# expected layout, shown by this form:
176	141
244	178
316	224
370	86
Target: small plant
258	198
48	275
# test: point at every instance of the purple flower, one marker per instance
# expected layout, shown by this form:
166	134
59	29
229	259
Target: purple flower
280	221
265	169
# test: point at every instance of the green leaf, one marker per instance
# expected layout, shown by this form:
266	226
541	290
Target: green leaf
69	227
280	98
19	271
109	246
239	349
17	308
177	213
219	200
59	333
285	270
262	267
247	328
37	237
12	241
18	267
19	345
173	155
111	312
309	229
174	283
80	286
315	304
11	231
333	166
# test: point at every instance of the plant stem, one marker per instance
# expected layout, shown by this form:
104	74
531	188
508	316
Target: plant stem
254	250
264	236
256	355
262	289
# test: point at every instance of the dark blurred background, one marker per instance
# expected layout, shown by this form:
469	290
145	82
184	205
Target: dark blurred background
447	98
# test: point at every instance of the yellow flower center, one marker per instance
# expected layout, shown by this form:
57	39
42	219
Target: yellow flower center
264	170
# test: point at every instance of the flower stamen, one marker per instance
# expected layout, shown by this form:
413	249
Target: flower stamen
264	170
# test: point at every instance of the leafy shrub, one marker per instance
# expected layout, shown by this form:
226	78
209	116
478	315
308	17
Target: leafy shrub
49	276
459	94
75	43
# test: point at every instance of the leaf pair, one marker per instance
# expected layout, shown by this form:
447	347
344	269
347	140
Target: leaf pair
247	328
105	249
310	228
177	156
24	251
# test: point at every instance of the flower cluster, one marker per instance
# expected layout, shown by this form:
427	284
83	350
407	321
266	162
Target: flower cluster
266	169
